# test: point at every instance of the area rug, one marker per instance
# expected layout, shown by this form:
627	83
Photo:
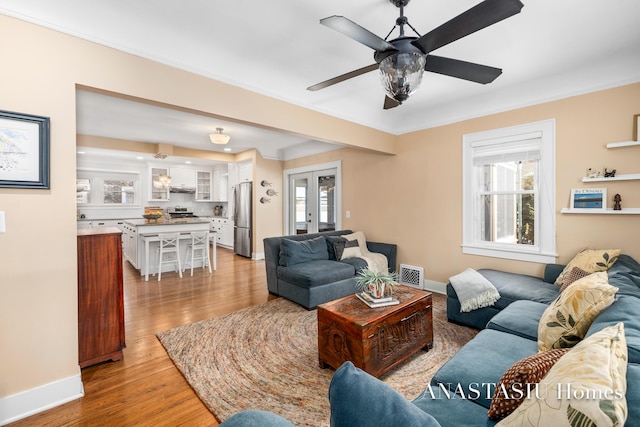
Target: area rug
266	357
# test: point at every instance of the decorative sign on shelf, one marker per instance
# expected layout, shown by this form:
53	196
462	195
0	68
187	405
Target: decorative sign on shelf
589	198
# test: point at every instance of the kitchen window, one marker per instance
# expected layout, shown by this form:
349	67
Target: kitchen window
509	193
119	191
107	188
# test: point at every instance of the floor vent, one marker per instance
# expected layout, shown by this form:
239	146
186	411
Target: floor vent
411	275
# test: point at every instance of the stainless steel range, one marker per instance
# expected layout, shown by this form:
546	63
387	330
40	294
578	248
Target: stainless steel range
179	212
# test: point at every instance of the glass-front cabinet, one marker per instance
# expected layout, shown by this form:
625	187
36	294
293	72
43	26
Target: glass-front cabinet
203	186
160	183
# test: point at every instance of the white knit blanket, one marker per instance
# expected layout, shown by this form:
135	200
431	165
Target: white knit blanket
474	290
375	261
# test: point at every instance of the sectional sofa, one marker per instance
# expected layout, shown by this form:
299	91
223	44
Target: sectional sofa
459	395
303	268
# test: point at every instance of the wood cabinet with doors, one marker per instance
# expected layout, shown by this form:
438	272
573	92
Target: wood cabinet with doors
100	296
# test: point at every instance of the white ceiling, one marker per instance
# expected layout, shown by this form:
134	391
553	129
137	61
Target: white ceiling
551	50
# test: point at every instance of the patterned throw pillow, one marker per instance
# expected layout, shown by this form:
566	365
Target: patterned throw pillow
575	274
340	248
586	387
520	381
351	250
566	321
591	261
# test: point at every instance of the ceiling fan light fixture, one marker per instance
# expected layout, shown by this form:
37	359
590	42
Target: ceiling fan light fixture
401	74
218	137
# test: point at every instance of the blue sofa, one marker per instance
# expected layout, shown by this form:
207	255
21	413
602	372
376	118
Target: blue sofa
358	399
315	276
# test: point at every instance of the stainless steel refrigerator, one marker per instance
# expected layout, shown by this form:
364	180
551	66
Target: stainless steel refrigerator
242	199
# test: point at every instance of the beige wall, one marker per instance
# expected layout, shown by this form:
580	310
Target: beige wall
38	284
414	198
268	216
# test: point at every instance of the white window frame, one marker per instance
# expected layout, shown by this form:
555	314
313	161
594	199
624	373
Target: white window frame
97	178
545	249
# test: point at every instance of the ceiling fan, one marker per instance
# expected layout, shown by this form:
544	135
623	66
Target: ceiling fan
401	61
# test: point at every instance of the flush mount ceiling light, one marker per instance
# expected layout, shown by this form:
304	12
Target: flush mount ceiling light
219	137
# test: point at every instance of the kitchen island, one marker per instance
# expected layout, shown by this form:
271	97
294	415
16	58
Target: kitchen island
141	241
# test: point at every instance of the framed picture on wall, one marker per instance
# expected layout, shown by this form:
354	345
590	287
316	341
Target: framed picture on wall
589	198
636	127
24	151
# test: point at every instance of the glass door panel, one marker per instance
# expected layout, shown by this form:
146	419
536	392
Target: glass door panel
312	202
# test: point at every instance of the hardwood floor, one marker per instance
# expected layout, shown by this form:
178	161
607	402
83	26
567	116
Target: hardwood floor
145	388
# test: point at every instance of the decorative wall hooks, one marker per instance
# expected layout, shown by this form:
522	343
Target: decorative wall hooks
264	200
265	183
271	192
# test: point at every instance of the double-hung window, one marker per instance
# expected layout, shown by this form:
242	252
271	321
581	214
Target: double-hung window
509	192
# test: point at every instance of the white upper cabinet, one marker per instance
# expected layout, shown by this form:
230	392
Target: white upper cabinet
183	178
220	178
245	172
159	184
204	186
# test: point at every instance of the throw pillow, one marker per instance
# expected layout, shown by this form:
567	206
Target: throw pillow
591	261
339	248
586	387
359	400
566	321
575	274
331	240
351	250
294	252
520	381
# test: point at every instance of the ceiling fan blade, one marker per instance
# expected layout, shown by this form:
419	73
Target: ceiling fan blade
343	77
478	17
461	69
390	103
357	33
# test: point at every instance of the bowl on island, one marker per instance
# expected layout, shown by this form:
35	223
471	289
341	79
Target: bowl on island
151	216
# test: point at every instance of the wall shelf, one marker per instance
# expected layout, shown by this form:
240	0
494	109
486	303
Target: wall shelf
609	211
623	144
626	177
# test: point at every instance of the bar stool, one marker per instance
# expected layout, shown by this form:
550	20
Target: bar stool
169	244
198	250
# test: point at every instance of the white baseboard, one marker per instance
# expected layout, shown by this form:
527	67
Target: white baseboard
257	256
24	404
433	286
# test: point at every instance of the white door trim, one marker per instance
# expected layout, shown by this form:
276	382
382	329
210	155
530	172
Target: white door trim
337	165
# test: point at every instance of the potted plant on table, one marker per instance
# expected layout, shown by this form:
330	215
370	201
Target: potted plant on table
376	283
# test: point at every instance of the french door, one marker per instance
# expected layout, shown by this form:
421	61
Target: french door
313	201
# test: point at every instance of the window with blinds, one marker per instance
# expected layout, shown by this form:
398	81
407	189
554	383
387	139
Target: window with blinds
509	189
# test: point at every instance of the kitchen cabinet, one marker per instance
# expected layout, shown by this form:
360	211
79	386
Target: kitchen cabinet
159	184
204	186
183	178
100	296
220	185
87	223
245	172
224	231
130	244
